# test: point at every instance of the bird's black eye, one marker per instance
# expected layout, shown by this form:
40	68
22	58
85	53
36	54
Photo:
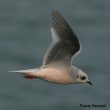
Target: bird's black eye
83	77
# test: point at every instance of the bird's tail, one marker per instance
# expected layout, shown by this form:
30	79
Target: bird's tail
29	73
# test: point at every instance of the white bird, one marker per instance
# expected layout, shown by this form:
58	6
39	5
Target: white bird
57	64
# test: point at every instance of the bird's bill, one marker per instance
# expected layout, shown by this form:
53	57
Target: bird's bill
89	82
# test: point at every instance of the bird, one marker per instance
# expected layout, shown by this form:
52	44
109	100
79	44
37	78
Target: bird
57	66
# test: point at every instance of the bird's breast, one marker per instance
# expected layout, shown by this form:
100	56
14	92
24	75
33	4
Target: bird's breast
56	75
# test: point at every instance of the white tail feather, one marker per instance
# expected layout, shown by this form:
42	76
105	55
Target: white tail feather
22	71
30	72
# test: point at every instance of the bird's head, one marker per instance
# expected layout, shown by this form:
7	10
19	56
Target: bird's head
82	77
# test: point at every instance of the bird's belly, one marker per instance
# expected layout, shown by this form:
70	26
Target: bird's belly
56	76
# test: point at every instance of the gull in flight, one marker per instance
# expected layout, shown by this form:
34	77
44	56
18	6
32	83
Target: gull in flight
57	63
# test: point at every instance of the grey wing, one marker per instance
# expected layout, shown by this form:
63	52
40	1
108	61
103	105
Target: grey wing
65	43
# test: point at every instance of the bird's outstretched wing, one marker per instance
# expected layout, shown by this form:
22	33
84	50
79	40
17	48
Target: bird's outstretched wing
65	44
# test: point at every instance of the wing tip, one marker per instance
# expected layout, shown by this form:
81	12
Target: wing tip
54	12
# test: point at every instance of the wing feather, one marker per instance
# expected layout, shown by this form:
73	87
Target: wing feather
65	43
